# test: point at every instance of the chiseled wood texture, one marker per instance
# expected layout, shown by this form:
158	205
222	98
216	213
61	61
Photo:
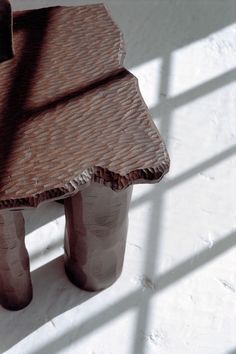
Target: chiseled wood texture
15	281
70	114
95	235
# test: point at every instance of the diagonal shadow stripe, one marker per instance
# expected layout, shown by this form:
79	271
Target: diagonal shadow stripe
70	96
161	283
171	183
156	217
81	331
163	108
169	104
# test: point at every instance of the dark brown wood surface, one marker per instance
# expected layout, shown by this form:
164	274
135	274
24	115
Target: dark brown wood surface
69	112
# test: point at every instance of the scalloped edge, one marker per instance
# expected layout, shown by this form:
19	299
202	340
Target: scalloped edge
96	174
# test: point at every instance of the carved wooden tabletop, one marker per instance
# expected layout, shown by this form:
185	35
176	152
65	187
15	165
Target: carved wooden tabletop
69	112
70	115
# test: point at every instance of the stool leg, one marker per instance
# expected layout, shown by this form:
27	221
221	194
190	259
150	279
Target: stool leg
15	281
95	236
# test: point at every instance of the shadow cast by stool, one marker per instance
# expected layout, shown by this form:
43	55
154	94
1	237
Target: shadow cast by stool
50	280
53	295
44	214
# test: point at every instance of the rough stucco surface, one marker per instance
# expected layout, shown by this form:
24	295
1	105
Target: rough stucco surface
177	292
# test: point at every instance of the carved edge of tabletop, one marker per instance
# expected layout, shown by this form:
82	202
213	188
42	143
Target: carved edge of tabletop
96	213
96	173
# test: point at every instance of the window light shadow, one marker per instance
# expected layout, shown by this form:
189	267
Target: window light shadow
171	183
171	103
50	285
132	300
156	217
169	27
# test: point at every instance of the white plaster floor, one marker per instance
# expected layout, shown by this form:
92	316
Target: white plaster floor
177	292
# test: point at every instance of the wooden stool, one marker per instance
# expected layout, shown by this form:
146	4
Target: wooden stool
73	126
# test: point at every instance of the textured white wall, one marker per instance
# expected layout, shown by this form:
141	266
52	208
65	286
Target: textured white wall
177	293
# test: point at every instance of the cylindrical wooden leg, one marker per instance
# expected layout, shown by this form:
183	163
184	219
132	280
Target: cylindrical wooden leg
15	281
95	236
